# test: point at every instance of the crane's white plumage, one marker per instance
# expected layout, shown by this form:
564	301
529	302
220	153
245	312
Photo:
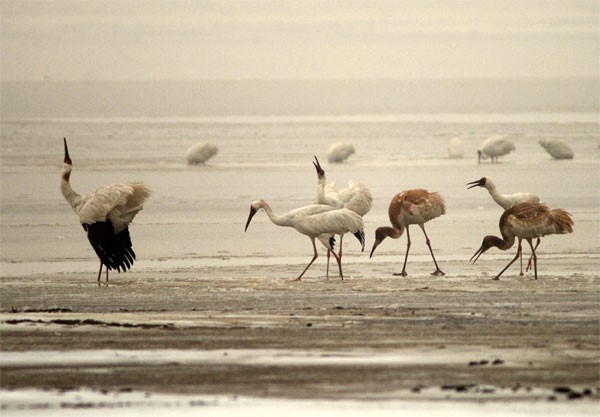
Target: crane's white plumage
339	152
494	147
558	149
503	200
356	198
408	207
456	149
526	221
200	153
105	215
317	221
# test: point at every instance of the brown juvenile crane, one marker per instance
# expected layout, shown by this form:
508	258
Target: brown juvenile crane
526	221
408	207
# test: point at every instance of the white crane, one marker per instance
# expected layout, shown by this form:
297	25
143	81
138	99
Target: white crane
200	153
558	149
456	149
356	197
507	201
494	147
105	215
408	207
526	221
339	152
317	221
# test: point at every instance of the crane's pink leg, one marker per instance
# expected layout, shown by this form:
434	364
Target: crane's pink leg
438	272
521	259
403	273
534	256
497	277
328	256
534	249
315	256
339	262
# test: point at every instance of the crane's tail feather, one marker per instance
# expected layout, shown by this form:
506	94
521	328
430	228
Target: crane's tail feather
360	235
115	251
563	221
332	242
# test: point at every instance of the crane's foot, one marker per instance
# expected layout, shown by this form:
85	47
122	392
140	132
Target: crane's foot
496	278
438	273
400	274
297	279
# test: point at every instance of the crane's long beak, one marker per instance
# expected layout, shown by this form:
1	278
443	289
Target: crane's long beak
477	254
252	213
317	165
67	159
377	242
474	184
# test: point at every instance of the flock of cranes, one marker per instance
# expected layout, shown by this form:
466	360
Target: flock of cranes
106	214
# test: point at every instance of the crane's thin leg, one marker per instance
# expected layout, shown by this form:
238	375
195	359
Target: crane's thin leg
100	272
497	277
534	256
339	262
106	275
438	272
521	259
536	246
328	256
403	273
315	256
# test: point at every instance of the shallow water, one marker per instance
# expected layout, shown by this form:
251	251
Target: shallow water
198	212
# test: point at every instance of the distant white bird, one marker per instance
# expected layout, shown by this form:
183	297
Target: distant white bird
200	153
105	215
456	149
408	207
526	221
507	201
317	221
356	197
339	152
558	149
494	147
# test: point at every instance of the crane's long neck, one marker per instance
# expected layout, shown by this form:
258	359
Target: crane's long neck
72	197
278	220
321	190
392	232
502	244
498	198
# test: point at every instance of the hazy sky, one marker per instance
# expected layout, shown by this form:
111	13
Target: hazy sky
201	39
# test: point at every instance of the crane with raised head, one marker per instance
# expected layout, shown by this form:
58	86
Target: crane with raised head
105	215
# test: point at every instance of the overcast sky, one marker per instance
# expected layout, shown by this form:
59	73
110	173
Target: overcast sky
320	39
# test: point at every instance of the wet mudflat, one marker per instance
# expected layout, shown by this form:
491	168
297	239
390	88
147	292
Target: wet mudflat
253	333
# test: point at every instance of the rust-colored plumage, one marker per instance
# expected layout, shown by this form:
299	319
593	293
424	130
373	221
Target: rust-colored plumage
408	207
526	221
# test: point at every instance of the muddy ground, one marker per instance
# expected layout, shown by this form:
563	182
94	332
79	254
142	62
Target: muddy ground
366	337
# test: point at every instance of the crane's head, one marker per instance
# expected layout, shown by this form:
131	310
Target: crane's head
317	165
254	207
488	242
382	232
479	183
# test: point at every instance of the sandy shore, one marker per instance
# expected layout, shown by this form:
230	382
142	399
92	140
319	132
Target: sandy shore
252	333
